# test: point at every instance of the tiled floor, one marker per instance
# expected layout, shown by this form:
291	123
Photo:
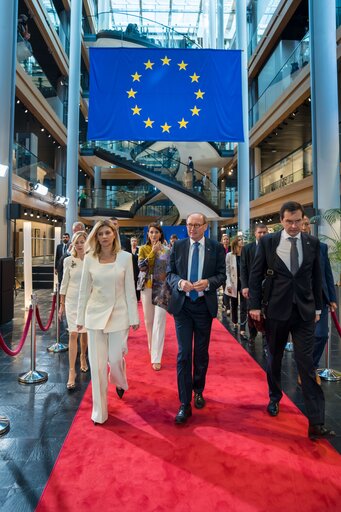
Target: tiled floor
41	414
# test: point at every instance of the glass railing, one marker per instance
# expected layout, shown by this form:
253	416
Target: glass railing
285	76
160	212
123	197
260	186
55	22
32	67
138	29
262	26
166	163
30	168
338	16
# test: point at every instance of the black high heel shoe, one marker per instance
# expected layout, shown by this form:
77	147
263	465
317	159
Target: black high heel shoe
120	392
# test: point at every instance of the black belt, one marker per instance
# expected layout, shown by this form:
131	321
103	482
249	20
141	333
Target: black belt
196	301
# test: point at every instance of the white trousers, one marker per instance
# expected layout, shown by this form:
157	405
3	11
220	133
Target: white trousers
155	321
103	348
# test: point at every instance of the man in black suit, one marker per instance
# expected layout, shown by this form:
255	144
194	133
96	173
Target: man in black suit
328	299
61	250
246	261
196	270
291	260
125	242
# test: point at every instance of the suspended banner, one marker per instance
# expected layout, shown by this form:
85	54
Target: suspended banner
165	94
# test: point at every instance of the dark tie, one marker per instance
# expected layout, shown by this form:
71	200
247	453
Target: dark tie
64	249
194	269
293	255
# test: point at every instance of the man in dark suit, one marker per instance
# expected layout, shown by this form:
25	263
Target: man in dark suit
291	260
328	299
125	242
246	261
61	250
196	270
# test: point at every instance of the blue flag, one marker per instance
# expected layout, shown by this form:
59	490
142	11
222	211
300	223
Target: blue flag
165	94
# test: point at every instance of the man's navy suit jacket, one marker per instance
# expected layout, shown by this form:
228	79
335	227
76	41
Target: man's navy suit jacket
213	269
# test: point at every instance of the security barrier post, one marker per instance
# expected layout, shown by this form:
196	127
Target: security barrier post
33	376
57	346
328	373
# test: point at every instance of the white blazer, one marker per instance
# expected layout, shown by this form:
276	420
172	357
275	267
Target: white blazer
107	297
231	274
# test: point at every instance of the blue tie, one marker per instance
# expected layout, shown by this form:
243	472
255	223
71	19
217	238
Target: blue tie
194	269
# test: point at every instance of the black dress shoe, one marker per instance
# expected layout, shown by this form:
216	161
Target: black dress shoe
199	401
273	408
320	432
119	391
183	414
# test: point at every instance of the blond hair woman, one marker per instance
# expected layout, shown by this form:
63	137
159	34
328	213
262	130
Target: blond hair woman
107	307
73	266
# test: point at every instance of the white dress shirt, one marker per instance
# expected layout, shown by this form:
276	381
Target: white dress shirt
284	248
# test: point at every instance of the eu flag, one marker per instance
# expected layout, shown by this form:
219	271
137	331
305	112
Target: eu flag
165	94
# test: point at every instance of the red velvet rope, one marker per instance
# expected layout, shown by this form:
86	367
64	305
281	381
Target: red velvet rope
49	322
336	322
23	337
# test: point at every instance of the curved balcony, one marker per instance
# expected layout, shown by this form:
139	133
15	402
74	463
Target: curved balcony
163	169
135	31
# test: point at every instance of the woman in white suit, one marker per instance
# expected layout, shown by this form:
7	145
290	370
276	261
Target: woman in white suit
69	290
107	307
233	285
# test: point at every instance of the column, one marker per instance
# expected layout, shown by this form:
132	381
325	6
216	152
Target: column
243	147
73	114
220	24
8	38
97	186
215	200
324	109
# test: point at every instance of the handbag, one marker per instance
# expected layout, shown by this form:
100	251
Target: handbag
141	280
161	295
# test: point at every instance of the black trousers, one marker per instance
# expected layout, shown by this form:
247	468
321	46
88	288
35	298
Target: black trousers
193	323
303	334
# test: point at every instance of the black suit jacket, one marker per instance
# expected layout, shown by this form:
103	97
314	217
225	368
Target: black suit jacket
246	259
213	270
59	254
305	287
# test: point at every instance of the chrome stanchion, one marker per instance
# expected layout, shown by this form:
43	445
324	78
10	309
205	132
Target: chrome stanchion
328	373
289	347
57	346
33	376
4	425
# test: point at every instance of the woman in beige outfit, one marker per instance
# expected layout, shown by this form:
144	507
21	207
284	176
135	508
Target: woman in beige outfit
107	307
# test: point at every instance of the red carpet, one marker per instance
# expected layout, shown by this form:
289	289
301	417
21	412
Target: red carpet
230	457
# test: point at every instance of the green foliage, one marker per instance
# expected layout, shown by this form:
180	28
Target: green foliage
333	218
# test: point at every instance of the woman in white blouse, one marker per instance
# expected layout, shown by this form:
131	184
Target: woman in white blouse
73	266
107	307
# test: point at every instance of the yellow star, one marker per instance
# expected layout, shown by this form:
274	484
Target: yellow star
131	93
182	65
199	94
149	123
165	127
195	111
136	77
166	61
149	65
136	110
183	123
195	77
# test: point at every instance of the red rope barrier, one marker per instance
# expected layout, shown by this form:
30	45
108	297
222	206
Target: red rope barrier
336	322
49	322
22	340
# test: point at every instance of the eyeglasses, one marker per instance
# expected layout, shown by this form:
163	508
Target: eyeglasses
194	226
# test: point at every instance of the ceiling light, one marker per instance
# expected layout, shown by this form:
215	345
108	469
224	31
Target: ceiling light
25	212
31	214
26	111
39	188
18	101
